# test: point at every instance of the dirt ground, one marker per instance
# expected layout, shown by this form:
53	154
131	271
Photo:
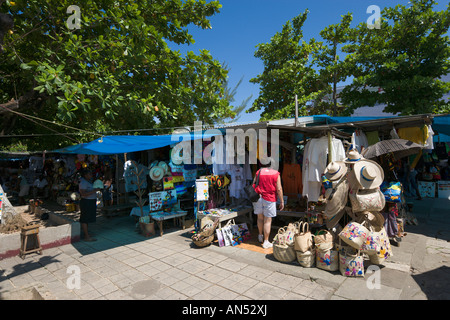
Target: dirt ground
24	217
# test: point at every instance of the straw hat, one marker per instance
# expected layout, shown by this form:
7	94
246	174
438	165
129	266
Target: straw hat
368	173
375	218
335	170
334	209
153	164
353	157
156	173
164	166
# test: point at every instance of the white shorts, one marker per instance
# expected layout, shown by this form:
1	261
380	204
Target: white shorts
267	208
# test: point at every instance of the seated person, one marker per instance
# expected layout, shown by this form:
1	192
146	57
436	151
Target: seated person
40	187
24	188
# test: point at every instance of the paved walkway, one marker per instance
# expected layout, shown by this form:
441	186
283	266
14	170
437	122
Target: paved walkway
123	264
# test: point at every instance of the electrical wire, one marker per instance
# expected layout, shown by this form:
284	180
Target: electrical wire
48	121
40	124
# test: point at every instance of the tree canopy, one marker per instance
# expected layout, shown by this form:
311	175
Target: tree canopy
287	72
116	72
399	64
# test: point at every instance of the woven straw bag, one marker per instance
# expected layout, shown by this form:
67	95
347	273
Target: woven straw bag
324	240
354	234
303	239
307	259
384	250
351	264
209	228
327	260
367	200
202	241
283	251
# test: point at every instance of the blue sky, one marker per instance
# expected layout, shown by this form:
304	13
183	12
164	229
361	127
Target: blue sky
242	24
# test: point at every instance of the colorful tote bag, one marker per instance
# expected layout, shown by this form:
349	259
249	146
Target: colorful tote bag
367	200
351	265
327	260
354	234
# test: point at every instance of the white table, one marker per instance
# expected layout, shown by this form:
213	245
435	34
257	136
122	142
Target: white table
160	216
240	211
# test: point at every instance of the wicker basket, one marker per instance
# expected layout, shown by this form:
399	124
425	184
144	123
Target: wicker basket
307	259
209	229
284	252
202	241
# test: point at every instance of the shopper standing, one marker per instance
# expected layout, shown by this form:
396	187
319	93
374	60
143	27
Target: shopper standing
88	203
269	187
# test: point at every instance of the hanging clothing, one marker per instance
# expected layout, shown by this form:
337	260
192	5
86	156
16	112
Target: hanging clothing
237	184
218	159
315	160
291	180
372	137
414	134
359	140
429	145
393	133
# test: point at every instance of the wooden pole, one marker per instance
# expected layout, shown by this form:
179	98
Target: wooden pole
330	147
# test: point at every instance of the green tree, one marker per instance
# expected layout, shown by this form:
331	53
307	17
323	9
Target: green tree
116	72
400	63
229	95
288	71
332	69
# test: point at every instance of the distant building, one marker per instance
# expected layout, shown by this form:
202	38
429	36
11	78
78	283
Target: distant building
377	110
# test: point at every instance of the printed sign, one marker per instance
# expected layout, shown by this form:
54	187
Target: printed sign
427	189
444	189
158	200
202	186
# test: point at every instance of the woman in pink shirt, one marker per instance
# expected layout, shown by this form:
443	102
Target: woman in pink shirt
269	188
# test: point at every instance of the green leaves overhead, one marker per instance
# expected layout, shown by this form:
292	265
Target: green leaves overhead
287	71
399	65
117	71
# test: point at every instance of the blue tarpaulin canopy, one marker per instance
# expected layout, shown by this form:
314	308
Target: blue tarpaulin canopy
124	144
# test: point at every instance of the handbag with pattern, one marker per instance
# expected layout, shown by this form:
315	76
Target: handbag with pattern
367	200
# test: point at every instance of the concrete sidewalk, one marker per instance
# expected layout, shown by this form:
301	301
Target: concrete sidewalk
123	264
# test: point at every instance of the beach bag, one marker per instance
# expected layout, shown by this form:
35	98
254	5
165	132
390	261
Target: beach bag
252	195
286	235
354	234
327	260
324	240
284	252
351	265
243	231
372	245
283	247
367	200
303	239
237	237
392	193
307	259
225	235
384	249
